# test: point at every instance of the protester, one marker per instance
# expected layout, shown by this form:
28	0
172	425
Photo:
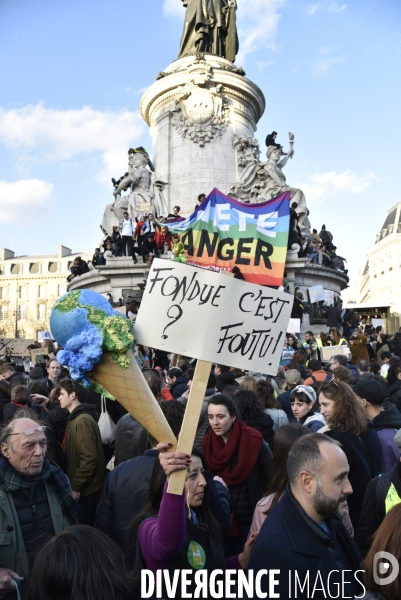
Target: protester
79	267
343	374
237	454
7	371
271	406
79	563
348	425
36	500
303	534
387	539
284	439
317	374
333	317
311	346
224	377
358	348
83	447
337	338
183	523
178	382
303	403
293	378
125	493
394	385
20	398
251	413
126	227
383	345
384	417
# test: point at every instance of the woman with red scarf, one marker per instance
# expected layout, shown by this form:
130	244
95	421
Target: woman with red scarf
239	455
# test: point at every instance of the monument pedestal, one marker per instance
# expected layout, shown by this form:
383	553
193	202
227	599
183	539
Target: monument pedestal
193	110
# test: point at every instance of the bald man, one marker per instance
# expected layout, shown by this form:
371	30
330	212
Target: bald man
35	499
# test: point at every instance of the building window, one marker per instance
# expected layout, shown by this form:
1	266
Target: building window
25	269
3	293
43	268
22	313
63	267
3	333
42	291
3	313
21	333
62	289
22	292
41	312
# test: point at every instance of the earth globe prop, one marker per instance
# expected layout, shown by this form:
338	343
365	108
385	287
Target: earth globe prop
97	344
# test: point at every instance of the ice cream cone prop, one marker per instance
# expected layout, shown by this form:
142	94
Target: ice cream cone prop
190	422
129	387
97	346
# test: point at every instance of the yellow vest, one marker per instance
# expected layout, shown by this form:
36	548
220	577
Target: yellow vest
392	498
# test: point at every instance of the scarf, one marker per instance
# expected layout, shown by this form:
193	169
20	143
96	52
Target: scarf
12	481
244	441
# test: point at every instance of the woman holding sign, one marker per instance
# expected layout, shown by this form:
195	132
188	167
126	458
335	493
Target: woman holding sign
237	454
177	532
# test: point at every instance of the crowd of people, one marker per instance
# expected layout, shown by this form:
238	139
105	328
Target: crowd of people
318	248
301	471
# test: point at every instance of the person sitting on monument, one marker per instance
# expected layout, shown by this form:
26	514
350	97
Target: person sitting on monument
162	238
201	199
175	216
149	249
79	267
271	140
326	237
98	258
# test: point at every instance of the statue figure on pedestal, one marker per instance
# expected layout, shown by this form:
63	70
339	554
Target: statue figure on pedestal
210	27
146	194
259	182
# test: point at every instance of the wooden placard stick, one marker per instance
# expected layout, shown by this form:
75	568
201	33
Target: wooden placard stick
190	422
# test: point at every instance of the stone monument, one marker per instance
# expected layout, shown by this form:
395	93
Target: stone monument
203	114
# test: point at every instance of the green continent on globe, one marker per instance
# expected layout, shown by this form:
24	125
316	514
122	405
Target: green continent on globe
116	330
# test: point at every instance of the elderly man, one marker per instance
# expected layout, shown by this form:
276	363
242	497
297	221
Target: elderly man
35	499
303	537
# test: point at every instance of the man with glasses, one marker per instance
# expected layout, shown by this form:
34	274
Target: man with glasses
35	500
340	360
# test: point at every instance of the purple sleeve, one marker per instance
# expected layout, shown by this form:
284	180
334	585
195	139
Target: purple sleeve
163	536
233	563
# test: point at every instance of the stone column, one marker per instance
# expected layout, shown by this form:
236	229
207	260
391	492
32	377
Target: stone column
194	109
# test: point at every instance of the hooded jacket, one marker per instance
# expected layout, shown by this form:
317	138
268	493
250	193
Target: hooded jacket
84	450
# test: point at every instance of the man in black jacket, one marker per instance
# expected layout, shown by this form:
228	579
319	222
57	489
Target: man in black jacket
303	537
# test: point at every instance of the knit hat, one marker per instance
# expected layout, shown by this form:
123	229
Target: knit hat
307	390
293	377
371	390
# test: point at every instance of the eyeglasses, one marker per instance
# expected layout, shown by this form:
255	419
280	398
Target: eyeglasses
326	384
28	432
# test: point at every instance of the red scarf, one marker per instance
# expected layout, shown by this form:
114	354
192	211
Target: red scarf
244	441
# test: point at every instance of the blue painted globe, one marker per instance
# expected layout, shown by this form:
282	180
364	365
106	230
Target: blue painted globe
69	315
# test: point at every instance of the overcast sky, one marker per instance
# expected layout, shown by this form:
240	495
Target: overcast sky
72	74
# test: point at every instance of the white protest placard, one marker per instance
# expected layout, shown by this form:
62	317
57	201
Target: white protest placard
294	326
199	313
316	294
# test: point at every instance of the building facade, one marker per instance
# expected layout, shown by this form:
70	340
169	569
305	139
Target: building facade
29	287
377	289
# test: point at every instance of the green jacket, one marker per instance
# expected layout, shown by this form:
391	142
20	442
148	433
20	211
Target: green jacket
84	450
12	548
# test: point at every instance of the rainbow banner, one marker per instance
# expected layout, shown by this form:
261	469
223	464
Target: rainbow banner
223	233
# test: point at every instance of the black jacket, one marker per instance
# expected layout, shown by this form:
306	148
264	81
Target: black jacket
394	394
374	509
16	379
364	457
225	379
389	418
298	309
291	541
266	427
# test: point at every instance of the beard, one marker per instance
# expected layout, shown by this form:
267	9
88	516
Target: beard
326	507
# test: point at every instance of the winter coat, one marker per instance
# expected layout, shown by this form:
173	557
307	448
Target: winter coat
313	421
16	379
13	554
394	394
358	349
387	423
290	540
57	419
383	348
374	506
333	317
364	457
225	379
84	450
266	427
179	386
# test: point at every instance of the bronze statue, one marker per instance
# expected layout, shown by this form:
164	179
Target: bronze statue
210	27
